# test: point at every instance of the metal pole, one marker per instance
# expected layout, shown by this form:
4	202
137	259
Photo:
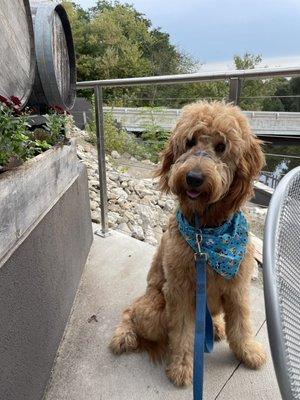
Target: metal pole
234	90
189	78
101	160
84	119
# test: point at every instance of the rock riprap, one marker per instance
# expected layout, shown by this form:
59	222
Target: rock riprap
135	206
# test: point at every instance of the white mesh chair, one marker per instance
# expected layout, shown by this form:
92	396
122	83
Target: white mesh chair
281	268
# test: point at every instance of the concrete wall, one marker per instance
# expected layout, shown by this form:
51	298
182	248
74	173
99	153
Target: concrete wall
262	122
38	284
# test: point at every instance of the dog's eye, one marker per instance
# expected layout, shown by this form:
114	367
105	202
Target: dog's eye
190	143
220	147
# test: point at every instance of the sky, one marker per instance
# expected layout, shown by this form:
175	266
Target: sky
213	31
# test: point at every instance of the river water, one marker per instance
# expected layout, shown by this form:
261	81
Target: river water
280	159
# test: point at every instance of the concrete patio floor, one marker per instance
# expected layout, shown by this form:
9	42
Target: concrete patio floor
86	370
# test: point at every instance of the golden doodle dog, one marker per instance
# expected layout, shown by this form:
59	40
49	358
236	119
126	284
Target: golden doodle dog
209	164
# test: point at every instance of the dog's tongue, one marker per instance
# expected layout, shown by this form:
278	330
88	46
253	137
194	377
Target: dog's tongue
193	193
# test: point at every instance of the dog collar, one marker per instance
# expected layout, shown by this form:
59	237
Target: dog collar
224	246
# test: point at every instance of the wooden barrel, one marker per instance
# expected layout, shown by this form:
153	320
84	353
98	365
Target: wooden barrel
55	82
17	55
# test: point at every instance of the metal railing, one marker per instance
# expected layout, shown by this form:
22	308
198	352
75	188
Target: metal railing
269	179
234	77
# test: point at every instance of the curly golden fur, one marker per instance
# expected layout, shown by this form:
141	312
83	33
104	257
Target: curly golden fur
228	159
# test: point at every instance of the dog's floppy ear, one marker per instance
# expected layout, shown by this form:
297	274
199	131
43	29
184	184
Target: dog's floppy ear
167	159
247	170
253	159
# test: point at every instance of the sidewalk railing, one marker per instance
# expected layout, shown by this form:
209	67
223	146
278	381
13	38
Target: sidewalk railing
234	77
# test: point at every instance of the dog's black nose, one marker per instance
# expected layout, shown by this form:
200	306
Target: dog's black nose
194	179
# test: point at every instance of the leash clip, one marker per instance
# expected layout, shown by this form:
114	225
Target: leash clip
198	243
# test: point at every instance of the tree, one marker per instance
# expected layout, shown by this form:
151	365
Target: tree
248	61
251	90
279	101
258	94
272	104
113	40
285	95
295	90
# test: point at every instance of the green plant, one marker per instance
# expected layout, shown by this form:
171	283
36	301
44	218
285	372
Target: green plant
155	139
148	146
154	136
13	138
18	140
116	138
55	124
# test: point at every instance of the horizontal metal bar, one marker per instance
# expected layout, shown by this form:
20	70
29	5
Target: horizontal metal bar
282	156
282	140
269	173
189	78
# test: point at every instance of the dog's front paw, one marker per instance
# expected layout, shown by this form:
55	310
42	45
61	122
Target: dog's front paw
181	374
252	355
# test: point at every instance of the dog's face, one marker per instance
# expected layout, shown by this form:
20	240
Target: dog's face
211	155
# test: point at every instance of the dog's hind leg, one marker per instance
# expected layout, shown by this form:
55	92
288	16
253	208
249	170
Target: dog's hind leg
143	321
143	326
124	338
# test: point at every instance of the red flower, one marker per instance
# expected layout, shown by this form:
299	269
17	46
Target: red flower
13	104
5	101
16	100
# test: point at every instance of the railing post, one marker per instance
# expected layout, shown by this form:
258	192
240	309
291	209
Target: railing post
234	90
84	119
101	160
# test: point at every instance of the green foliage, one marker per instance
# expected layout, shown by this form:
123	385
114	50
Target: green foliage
148	146
18	143
248	61
177	96
56	125
286	95
154	136
272	104
115	139
114	40
13	138
155	139
118	139
295	90
251	90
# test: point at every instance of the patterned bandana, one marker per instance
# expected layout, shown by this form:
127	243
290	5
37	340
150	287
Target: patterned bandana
225	245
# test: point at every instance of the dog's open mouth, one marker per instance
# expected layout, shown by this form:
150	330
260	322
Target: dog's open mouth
193	194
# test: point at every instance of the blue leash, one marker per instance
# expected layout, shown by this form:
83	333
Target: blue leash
204	331
225	247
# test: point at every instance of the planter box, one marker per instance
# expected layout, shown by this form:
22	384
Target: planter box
45	237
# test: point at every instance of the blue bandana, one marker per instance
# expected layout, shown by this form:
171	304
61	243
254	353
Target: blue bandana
225	245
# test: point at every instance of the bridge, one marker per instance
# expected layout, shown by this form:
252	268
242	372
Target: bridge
263	123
